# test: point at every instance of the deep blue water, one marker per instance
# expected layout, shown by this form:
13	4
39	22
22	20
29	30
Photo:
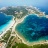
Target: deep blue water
33	28
5	20
44	9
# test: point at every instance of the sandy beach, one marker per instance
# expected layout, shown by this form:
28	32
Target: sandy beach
13	29
8	28
14	24
23	39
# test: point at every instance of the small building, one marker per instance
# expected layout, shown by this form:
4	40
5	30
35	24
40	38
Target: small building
2	45
42	14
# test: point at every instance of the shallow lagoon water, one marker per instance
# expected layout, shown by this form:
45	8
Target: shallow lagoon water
33	28
5	21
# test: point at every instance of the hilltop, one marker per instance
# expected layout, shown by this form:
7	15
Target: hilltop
21	11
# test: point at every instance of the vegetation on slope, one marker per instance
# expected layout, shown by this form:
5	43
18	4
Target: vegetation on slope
6	36
20	11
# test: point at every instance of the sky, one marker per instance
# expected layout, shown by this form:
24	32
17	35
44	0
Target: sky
23	2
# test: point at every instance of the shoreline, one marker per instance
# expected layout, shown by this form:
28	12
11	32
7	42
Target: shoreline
14	24
30	43
7	28
24	40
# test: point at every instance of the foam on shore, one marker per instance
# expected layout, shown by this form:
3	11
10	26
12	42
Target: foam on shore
4	28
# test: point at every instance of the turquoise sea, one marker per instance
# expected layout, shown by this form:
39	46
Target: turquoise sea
5	21
33	28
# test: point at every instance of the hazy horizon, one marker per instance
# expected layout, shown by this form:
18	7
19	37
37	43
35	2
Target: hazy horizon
41	3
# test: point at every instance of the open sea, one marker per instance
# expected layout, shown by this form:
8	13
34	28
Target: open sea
33	28
5	20
44	9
